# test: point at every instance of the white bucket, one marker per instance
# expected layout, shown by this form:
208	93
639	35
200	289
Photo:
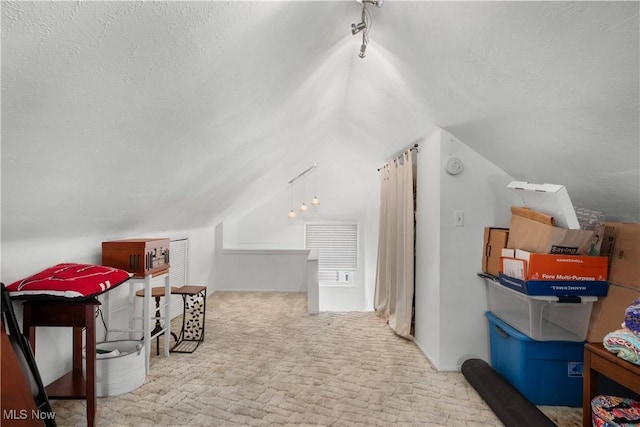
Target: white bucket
123	370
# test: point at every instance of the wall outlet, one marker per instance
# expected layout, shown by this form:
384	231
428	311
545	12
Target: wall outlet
345	276
458	218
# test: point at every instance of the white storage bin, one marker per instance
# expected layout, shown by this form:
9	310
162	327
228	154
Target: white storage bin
119	374
542	318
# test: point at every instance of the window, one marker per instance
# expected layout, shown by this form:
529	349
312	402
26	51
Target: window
337	246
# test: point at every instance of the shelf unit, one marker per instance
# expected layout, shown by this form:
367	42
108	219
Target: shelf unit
148	316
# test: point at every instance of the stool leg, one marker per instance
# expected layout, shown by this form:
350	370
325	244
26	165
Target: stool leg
158	326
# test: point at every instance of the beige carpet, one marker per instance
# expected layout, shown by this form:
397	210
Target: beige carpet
265	361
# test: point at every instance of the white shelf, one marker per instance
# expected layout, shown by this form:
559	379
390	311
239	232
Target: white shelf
148	316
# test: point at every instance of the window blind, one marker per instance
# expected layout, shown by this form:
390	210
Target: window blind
337	246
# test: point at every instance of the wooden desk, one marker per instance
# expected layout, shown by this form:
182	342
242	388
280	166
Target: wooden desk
598	360
79	316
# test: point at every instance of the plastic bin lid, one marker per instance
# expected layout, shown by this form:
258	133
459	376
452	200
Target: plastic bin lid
573	299
551	199
495	320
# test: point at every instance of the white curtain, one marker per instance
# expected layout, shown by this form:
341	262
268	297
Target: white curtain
393	298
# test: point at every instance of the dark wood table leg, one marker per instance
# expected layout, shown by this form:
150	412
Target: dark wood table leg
90	334
589	386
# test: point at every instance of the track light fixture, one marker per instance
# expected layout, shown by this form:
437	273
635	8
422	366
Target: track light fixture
363	49
377	3
364	25
304	207
356	28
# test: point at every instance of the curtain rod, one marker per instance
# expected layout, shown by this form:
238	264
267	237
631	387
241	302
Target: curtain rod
309	169
415	147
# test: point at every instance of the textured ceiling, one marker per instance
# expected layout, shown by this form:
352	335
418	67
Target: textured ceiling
182	110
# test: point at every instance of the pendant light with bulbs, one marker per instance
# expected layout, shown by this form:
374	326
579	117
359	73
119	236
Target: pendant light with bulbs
303	205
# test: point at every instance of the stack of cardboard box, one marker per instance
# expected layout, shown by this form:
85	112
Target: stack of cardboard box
621	244
546	225
545	276
547	251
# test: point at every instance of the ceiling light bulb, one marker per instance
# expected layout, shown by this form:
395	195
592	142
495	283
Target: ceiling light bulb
315	201
356	28
303	207
362	52
291	214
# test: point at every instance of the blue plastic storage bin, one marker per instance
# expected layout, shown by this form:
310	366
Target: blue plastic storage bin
545	372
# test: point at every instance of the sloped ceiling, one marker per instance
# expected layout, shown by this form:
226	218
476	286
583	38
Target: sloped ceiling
166	115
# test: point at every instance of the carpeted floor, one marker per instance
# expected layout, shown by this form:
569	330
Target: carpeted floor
265	361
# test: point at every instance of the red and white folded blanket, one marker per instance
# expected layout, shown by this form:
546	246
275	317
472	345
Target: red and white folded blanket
625	344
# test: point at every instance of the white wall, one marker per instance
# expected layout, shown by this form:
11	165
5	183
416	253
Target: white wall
348	192
450	297
25	257
259	269
427	264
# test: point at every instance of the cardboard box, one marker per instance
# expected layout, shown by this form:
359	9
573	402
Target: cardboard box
551	199
495	239
563	267
607	314
622	245
536	237
608	240
561	288
550	274
565	237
